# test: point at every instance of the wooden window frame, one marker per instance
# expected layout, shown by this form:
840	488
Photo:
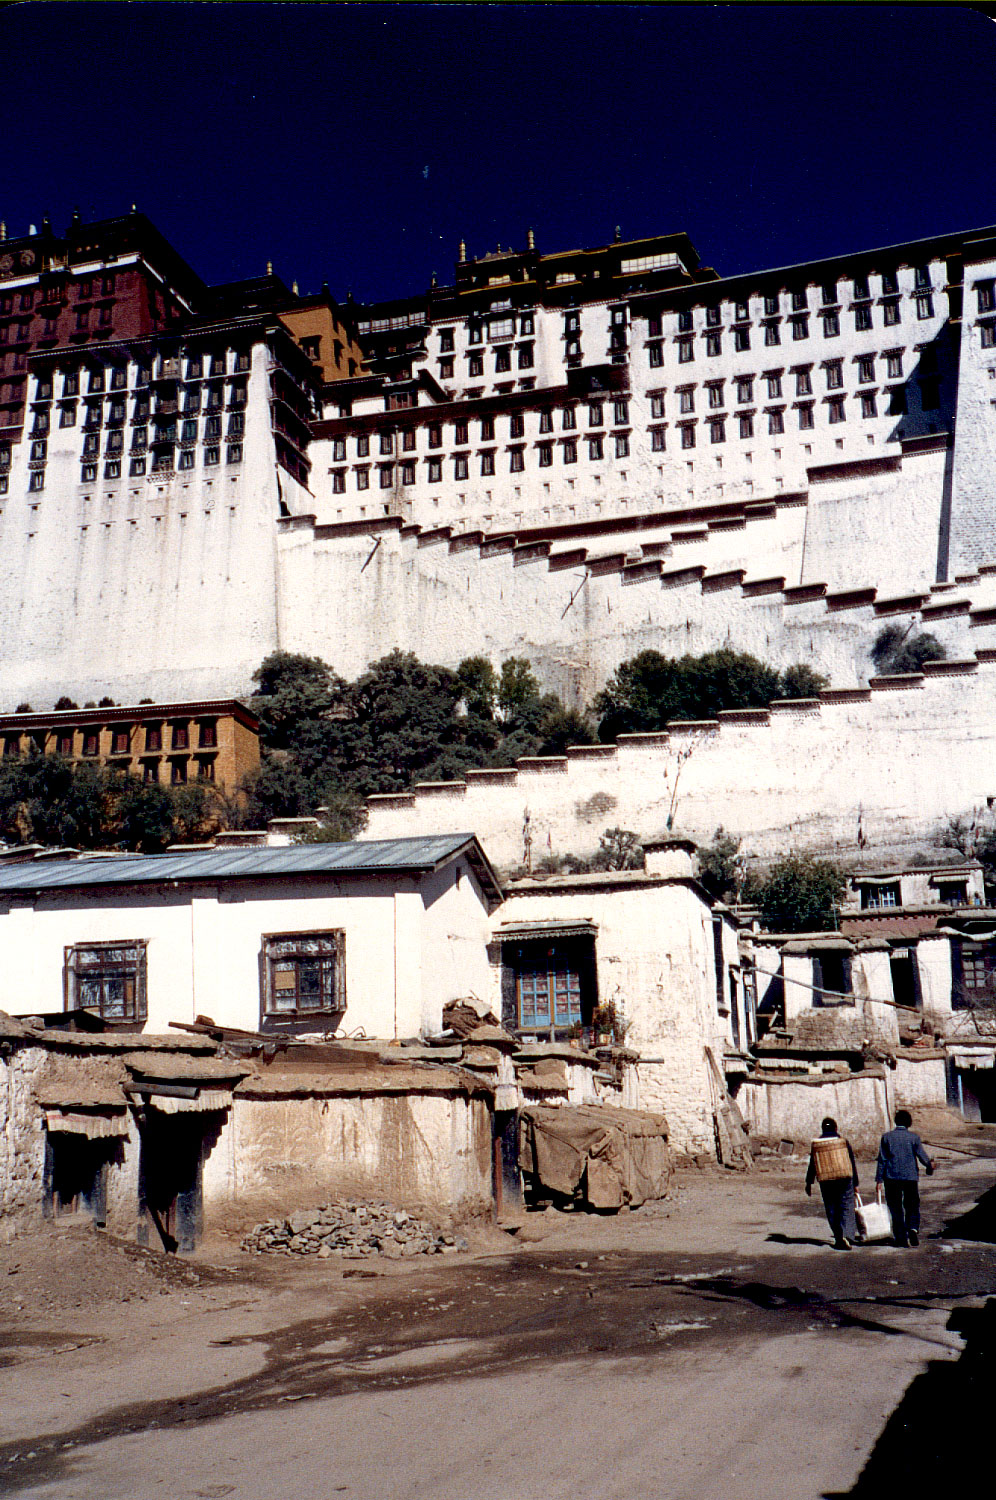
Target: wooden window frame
138	1010
288	946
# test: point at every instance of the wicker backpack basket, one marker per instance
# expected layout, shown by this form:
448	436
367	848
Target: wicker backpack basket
831	1158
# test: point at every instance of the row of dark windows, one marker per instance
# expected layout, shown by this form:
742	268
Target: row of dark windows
179	731
773	380
86	289
503	362
486	429
863	322
165	435
895	405
829	299
164	461
407	473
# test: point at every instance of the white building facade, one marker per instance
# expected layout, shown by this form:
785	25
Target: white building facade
362	939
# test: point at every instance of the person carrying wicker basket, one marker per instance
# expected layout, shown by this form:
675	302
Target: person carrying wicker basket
832	1165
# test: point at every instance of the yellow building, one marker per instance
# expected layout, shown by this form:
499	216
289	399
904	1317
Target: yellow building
213	741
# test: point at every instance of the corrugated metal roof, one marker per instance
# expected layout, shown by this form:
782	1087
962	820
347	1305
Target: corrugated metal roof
362	857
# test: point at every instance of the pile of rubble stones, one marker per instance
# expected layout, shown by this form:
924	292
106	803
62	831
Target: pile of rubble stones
351	1230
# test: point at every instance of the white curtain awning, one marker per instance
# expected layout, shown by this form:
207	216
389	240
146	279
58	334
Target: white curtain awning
972	1059
94	1126
207	1099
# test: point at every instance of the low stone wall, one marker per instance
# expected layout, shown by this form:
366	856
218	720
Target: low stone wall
674	1090
779	1109
22	1143
920	1080
428	1152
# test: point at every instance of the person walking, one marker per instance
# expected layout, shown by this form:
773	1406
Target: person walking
898	1173
832	1165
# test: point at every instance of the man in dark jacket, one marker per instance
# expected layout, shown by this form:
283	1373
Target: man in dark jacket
897	1172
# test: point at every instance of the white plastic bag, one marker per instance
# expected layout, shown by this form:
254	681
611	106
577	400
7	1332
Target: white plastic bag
873	1219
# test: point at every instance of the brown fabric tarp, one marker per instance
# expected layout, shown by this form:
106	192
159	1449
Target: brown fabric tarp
608	1156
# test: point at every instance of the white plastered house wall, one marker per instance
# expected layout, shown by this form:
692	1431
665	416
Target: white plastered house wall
655	959
413	941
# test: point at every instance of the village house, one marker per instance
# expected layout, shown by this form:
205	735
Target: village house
643	955
895	1009
157	1137
363	938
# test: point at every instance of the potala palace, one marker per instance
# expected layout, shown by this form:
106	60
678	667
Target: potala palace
569	457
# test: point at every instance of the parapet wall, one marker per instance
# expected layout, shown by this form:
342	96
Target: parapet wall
874	765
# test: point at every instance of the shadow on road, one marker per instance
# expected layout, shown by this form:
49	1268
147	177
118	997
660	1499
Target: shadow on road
979	1223
939	1438
796	1239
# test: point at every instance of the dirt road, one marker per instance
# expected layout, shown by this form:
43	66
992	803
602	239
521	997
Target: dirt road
710	1346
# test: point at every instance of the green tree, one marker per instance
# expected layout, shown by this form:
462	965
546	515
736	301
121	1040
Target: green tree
291	689
198	811
402	726
802	681
402	720
718	870
518	690
341	818
144	815
618	849
800	894
560	727
278	788
46	799
649	690
896	650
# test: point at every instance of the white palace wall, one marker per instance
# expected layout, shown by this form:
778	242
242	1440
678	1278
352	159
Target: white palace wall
888	760
143	587
811	578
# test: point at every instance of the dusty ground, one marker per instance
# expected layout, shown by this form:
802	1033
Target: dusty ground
711	1345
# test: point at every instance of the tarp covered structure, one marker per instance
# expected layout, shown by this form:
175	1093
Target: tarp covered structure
606	1156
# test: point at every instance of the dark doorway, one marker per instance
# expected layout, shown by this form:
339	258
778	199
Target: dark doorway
978	1095
76	1176
506	1180
832	978
905	989
170	1200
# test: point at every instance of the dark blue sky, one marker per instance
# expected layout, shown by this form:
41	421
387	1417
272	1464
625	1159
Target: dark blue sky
357	143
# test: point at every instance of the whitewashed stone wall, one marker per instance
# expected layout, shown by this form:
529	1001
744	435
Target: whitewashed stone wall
973	500
655	961
22	1142
888	761
919	1081
142	587
812	578
792	1109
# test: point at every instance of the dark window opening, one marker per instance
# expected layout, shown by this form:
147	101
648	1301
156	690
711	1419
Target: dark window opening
76	1175
832	979
974	976
905	979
